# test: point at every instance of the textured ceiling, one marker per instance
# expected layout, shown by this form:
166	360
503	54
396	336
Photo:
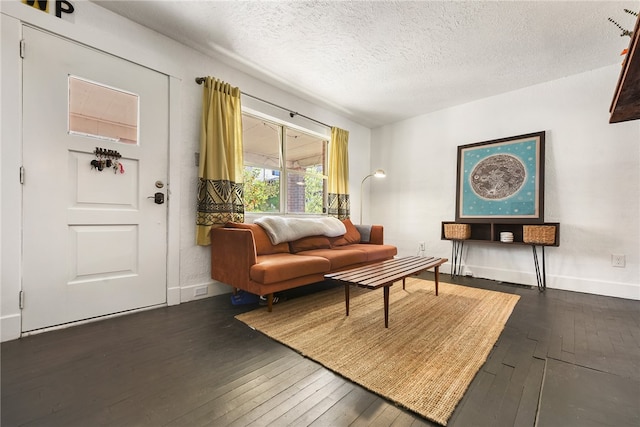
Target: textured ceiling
379	62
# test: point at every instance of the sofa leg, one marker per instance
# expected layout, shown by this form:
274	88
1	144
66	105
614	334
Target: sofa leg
270	302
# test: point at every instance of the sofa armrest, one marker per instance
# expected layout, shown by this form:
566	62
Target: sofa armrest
233	252
377	235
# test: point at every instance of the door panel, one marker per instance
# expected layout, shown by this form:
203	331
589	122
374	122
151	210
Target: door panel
90	189
93	242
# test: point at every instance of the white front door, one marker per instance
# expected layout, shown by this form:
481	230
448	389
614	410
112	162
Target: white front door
94	243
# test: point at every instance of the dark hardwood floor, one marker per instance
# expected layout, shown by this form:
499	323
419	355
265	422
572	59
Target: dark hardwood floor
564	359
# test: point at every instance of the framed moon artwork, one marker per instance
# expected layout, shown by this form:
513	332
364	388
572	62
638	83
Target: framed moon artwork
502	179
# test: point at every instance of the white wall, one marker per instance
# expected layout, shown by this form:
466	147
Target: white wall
188	263
592	183
592	167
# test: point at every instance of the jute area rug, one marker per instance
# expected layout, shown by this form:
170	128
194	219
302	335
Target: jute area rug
424	361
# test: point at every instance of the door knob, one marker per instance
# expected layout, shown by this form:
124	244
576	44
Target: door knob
158	198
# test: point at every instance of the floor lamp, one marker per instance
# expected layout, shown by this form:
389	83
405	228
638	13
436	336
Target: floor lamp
378	174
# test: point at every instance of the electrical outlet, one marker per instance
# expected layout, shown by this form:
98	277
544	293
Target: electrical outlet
202	290
618	260
421	246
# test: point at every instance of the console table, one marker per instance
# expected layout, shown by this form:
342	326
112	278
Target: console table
543	234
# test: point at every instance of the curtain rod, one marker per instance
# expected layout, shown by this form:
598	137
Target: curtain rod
292	114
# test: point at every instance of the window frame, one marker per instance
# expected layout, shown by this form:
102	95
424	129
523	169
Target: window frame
284	173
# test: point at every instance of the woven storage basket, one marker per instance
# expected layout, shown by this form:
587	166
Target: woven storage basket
457	231
539	234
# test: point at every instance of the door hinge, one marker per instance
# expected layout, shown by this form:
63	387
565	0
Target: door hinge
21	174
21	299
22	46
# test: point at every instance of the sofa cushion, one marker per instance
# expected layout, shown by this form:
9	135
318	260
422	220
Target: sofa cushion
261	239
280	267
351	236
338	258
372	252
365	232
308	243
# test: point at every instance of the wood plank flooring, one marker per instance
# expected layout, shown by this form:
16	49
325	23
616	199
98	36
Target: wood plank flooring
195	365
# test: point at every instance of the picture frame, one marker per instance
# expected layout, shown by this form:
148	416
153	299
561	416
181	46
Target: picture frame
501	180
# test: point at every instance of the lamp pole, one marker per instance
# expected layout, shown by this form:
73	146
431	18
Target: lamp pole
378	174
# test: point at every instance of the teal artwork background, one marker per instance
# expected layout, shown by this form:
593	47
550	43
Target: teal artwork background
521	204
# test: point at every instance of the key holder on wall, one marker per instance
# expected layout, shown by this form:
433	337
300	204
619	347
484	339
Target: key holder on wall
107	159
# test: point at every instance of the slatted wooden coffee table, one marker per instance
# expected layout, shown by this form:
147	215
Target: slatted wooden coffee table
384	274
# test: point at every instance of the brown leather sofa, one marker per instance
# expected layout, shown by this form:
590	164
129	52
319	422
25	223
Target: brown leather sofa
243	257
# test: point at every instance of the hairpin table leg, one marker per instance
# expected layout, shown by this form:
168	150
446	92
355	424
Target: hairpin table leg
456	257
540	276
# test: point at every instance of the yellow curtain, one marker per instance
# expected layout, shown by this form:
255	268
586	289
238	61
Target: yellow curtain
339	204
220	186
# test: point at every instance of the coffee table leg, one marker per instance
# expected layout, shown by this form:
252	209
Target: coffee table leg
437	274
386	306
346	297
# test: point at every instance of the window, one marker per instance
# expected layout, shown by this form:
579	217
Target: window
284	168
102	112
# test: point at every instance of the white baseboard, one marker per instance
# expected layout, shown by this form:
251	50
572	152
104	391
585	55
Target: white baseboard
597	287
566	283
173	296
10	327
194	292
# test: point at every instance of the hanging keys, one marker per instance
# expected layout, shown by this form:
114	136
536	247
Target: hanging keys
107	159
